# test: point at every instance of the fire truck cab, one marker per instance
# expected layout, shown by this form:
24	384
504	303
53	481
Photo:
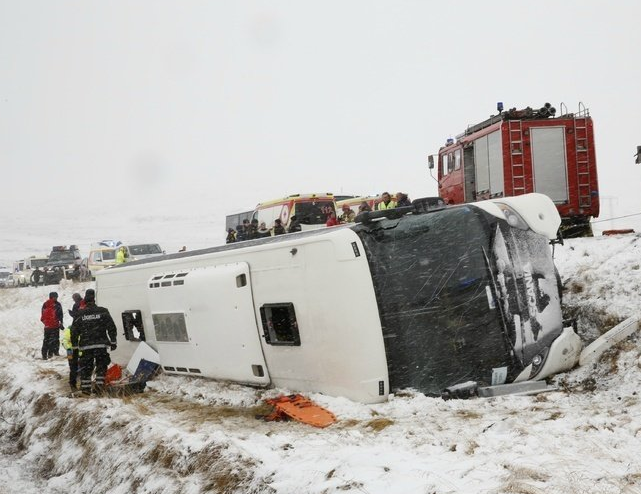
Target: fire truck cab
521	151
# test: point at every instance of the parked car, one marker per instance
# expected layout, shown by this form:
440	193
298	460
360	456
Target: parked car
23	269
63	263
6	278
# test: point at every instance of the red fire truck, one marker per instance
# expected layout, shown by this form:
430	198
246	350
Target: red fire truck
522	151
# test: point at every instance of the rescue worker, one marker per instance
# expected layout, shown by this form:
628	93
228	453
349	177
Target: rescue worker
51	317
332	220
252	230
72	351
263	231
231	236
278	229
120	256
78	304
364	207
72	358
35	277
294	225
402	200
348	215
242	230
84	272
386	202
93	332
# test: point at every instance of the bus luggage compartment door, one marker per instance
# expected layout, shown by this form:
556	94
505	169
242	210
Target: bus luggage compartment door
204	323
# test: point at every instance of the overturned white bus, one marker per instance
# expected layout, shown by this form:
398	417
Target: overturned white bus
403	299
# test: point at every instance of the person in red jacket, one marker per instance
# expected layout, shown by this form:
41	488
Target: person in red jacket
51	317
332	220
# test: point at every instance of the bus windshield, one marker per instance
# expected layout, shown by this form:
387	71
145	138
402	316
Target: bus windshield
314	213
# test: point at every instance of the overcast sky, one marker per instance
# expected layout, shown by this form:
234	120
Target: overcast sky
213	106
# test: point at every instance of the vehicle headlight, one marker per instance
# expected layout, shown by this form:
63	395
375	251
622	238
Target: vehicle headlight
512	217
537	362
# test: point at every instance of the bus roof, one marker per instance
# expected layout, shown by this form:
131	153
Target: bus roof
303	197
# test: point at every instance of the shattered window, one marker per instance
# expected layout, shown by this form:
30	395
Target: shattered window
279	324
133	326
431	279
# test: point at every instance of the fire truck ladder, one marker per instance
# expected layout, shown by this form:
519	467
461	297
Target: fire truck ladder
581	143
515	133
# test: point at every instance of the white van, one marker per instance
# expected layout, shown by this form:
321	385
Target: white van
23	269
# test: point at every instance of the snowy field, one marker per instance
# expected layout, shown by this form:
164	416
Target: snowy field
192	435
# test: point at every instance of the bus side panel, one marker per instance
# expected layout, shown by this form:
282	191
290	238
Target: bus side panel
326	278
341	351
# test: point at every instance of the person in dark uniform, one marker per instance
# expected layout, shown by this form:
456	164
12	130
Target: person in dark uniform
72	351
35	277
294	225
93	332
279	229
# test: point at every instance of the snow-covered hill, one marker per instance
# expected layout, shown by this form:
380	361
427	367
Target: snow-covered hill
192	435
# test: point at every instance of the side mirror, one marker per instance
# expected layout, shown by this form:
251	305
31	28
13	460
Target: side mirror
430	161
638	155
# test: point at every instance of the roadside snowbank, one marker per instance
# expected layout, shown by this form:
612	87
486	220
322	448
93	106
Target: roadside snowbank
191	435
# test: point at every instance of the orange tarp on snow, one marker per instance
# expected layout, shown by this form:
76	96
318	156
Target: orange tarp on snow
300	408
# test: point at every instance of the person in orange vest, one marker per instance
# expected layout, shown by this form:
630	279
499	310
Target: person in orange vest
51	317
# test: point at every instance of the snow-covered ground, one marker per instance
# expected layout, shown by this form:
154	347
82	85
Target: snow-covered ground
192	435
